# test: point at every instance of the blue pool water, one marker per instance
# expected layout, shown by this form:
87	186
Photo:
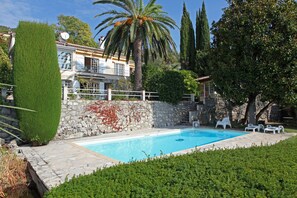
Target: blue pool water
131	149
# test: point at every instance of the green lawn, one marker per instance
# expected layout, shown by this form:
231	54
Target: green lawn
268	171
291	129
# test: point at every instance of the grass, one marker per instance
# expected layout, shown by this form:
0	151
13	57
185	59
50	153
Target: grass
267	171
291	129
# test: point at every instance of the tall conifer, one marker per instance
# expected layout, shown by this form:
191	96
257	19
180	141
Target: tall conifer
202	42
187	41
198	29
184	38
205	33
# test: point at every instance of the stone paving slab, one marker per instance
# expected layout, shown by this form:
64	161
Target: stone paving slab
61	160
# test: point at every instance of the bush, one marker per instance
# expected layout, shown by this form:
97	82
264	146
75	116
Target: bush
268	171
190	82
171	87
38	81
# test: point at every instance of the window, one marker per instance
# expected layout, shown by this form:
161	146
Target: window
64	60
119	69
92	64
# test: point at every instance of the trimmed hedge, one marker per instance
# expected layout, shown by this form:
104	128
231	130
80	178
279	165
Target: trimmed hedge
268	171
171	87
38	81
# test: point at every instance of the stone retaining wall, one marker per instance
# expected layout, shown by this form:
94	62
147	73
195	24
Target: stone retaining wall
79	117
217	108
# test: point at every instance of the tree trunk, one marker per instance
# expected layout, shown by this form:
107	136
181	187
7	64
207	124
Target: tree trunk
252	110
263	110
244	121
138	64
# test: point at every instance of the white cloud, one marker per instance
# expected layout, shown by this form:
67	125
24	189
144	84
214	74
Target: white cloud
13	11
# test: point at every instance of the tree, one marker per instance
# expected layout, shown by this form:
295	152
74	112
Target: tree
187	41
202	42
79	31
37	81
254	53
138	29
5	65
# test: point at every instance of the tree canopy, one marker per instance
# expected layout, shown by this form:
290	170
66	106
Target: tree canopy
254	53
136	29
79	31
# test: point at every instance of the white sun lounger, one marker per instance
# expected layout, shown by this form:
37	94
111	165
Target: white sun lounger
278	129
252	127
224	122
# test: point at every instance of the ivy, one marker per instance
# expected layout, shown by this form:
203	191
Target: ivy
116	116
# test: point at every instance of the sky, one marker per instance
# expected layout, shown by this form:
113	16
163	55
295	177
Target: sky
47	11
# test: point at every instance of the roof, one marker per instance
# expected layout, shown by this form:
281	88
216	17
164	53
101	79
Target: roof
204	78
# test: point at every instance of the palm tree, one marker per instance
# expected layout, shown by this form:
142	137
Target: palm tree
138	30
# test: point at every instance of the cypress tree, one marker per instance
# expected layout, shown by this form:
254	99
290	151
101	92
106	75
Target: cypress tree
187	41
184	38
202	42
198	29
192	51
204	30
38	81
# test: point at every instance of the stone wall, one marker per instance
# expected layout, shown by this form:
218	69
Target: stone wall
8	112
217	108
79	117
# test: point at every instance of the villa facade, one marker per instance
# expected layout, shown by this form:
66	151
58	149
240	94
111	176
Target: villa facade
85	67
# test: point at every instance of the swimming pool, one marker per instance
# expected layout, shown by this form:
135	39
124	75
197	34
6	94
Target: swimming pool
130	149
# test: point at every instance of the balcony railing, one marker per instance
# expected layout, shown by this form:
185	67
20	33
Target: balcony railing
100	70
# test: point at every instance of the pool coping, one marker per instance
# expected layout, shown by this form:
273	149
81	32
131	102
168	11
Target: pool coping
55	163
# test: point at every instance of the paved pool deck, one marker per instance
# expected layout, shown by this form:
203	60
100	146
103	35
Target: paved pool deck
59	160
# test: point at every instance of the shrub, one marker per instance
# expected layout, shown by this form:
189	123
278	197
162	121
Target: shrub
171	87
268	171
191	85
151	76
38	81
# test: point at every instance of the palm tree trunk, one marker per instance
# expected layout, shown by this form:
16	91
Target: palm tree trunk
138	64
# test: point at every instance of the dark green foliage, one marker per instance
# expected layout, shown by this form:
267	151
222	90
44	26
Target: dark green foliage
202	63
268	171
254	53
187	41
203	31
171	87
38	81
151	76
202	43
198	29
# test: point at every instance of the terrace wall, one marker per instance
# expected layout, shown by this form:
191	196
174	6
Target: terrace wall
80	118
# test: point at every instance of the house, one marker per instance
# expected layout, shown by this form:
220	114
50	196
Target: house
85	67
206	89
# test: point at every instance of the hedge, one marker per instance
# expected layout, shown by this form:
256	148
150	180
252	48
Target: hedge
37	79
268	171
